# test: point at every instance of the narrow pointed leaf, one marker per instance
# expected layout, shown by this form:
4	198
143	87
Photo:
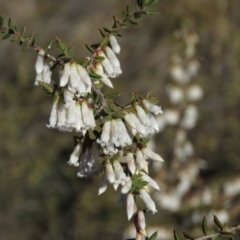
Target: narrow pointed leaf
23	31
204	226
175	235
6	36
217	222
104	42
90	49
10	24
132	22
1	20
48	87
154	236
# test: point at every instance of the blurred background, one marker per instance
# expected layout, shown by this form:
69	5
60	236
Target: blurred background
190	45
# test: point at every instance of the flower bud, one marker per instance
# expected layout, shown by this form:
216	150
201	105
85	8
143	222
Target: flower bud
130	205
65	74
141	223
114	44
107	65
75	155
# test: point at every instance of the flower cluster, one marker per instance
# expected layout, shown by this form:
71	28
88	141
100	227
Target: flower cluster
42	68
75	115
111	141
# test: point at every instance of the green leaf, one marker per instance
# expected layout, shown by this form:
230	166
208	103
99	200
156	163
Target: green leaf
152	13
48	87
204	226
175	235
114	22
31	38
61	46
113	95
217	222
23	31
70	51
10	25
26	47
102	33
107	30
104	42
132	22
22	40
94	75
145	140
188	236
34	40
1	20
90	49
124	25
99	58
154	236
15	38
6	36
149	3
49	45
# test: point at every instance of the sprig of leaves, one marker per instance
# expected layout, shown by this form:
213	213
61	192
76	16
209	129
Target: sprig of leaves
223	231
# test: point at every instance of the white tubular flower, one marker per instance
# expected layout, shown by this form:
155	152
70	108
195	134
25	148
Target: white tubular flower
152	107
40	61
135	124
141	114
78	117
119	173
131	164
114	44
124	137
75	155
103	184
148	200
171	117
65	74
113	60
62	112
126	187
115	133
140	159
148	153
150	181
175	94
130	205
105	136
88	117
194	93
46	73
141	222
190	117
84	75
74	77
107	65
70	115
110	172
153	124
99	70
68	97
53	115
